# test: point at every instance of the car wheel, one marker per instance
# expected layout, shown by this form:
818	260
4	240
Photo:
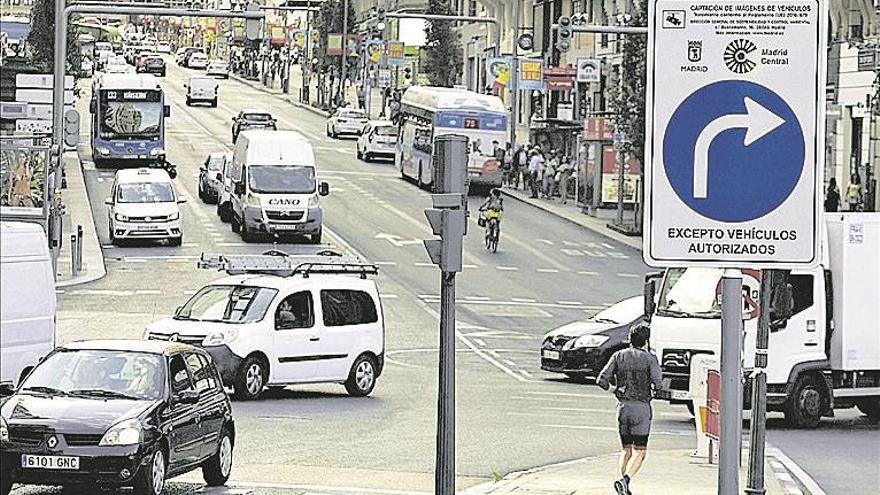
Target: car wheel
175	241
360	154
362	377
202	193
214	103
188	101
113	240
151	479
250	379
367	156
234	225
216	469
334	134
327	130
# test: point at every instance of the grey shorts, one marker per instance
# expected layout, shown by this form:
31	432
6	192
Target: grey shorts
634	423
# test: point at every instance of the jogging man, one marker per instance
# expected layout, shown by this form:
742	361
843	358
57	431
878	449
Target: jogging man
633	372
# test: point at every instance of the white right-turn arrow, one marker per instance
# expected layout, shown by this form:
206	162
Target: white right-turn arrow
757	121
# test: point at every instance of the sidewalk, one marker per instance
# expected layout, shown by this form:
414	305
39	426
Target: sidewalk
573	212
78	211
665	472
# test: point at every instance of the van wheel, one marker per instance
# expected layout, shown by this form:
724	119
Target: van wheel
250	379
362	377
360	155
869	407
247	235
803	409
175	241
217	468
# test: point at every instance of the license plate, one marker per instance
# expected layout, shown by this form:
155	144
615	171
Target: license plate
148	227
49	462
679	394
129	157
287	227
550	354
473	174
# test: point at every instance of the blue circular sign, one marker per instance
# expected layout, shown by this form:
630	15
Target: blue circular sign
733	151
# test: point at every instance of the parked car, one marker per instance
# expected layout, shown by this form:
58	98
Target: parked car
152	64
218	68
197	60
163	47
224	200
378	138
210	177
581	349
251	118
118	413
288	327
346	121
201	89
27	300
143	204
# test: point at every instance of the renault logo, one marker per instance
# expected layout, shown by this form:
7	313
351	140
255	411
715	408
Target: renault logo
174	337
53	442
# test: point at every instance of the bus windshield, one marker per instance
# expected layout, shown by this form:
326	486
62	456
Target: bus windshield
130	119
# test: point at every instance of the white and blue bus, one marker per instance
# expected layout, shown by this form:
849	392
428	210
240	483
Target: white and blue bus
128	120
427	112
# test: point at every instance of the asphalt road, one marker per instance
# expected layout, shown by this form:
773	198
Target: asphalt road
511	415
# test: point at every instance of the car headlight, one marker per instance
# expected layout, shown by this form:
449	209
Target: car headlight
174	216
4	430
314	201
157	152
587	341
120	217
103	150
126	432
220	337
253	200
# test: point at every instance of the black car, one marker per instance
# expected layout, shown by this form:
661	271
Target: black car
252	119
581	349
117	413
154	65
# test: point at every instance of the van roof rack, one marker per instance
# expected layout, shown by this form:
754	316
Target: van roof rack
281	264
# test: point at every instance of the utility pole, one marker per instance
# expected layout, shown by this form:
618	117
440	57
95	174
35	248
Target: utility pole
344	58
448	220
514	76
307	55
731	382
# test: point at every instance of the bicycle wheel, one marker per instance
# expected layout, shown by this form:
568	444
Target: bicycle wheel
496	234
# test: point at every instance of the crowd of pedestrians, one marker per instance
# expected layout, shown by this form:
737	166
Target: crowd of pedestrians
545	174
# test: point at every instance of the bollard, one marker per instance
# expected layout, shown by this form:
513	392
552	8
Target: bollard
79	248
73	248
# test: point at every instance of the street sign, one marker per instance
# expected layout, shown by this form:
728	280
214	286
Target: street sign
43	81
384	78
735	135
526	42
589	70
531	74
869	58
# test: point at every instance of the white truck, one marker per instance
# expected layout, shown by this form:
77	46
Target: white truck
824	355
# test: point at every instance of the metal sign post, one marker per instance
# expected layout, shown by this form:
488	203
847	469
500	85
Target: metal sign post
731	383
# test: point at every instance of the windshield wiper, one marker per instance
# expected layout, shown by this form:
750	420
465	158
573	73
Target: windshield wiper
604	320
103	393
45	390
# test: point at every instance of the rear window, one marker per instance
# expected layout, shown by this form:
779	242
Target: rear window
347	307
258	117
386	130
353	114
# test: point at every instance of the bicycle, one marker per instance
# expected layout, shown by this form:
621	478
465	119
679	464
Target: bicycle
493	234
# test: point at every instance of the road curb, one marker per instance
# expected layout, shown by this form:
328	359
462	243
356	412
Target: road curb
93	257
633	242
281	96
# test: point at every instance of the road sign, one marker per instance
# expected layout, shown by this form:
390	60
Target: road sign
735	136
589	70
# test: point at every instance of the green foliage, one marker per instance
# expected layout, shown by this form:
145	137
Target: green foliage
443	58
627	100
41	39
329	21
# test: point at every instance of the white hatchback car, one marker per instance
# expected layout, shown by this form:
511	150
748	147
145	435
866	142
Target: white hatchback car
218	68
144	205
379	138
304	322
346	121
197	60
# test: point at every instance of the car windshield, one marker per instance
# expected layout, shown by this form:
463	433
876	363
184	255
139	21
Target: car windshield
257	117
215	162
353	114
227	304
145	192
99	374
286	179
690	292
386	130
625	311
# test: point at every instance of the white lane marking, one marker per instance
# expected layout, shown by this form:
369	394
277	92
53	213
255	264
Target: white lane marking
507	268
465	265
480	342
523	299
629	275
526	373
565	305
510	363
231	244
796	470
588	273
569	303
545	241
478	298
423	264
385	263
571	252
547	270
148	292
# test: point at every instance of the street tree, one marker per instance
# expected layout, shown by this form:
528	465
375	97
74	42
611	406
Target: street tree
42	38
627	97
330	21
443	59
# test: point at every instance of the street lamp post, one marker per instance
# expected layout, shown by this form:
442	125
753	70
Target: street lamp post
344	57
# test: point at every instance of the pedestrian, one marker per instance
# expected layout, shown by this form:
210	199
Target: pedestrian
362	97
832	196
630	375
536	169
854	192
520	165
550	175
498	155
563	175
507	165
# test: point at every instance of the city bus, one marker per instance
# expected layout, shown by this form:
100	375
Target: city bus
427	112
128	120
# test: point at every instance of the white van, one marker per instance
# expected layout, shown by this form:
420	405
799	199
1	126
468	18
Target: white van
27	299
279	320
143	204
201	89
275	187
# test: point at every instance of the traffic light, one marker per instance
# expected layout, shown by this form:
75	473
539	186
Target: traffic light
407	73
71	128
448	215
564	34
380	19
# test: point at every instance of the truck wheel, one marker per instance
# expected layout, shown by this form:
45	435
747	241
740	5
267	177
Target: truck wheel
362	377
870	407
250	379
803	409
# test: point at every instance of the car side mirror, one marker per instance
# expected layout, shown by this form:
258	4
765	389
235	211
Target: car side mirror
781	306
323	189
235	119
186	397
650	291
168	110
108	201
203	168
7	389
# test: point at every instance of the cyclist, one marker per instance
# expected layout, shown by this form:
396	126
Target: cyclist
491	210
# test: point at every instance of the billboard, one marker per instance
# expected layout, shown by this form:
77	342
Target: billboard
23	181
531	74
498	72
